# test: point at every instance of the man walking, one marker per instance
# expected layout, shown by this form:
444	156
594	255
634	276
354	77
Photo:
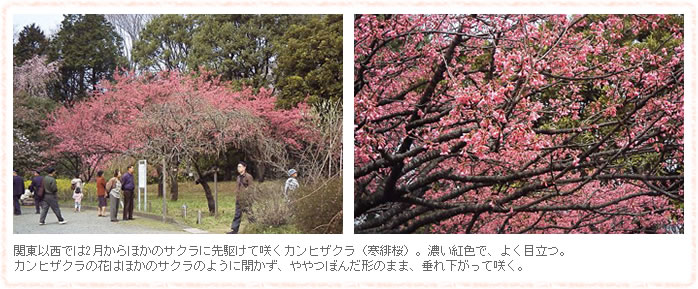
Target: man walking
244	182
17	191
50	198
127	186
34	188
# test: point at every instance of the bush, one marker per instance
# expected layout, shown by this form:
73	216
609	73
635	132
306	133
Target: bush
66	193
317	208
269	207
64	190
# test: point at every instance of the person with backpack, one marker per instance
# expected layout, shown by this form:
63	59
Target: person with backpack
113	188
48	193
34	189
76	186
77	196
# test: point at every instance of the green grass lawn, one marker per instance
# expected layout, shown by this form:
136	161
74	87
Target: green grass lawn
158	225
193	196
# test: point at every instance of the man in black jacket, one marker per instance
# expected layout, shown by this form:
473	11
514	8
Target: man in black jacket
17	191
127	186
34	188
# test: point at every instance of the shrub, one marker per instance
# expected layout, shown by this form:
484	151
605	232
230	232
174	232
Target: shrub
317	207
269	207
66	193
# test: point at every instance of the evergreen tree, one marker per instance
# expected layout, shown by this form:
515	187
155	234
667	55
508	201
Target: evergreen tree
89	49
310	61
165	43
239	47
31	42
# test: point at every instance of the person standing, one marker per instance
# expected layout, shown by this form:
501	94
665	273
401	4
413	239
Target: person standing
127	186
50	198
34	188
77	196
113	186
101	194
291	182
76	185
77	182
244	182
17	191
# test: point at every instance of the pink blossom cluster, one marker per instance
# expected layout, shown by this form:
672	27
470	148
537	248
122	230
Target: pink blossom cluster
34	76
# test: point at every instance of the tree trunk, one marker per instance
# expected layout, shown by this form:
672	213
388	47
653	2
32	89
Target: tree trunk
159	170
174	188
257	171
207	190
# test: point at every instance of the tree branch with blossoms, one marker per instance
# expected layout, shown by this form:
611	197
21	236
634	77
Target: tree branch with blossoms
518	124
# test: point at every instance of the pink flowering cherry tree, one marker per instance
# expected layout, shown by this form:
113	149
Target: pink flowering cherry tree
518	123
177	118
31	89
34	76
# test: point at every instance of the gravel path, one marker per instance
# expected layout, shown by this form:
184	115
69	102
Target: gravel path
87	222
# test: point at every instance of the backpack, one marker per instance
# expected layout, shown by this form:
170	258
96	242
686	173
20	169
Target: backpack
40	191
109	186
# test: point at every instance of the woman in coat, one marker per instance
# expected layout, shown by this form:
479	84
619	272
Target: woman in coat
114	189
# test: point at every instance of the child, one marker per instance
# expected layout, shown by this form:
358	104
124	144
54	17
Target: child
77	196
76	185
291	182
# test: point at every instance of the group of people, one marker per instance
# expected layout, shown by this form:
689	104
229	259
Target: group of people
119	188
44	190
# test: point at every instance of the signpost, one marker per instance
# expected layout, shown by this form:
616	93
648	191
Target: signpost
143	184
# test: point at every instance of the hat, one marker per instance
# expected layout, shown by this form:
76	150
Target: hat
291	172
50	170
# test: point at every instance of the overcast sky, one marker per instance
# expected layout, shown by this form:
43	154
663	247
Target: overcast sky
48	23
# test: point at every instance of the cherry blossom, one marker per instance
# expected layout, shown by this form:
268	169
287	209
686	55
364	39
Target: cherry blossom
518	123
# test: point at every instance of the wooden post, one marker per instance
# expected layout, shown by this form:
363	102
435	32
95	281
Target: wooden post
184	211
164	191
198	217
